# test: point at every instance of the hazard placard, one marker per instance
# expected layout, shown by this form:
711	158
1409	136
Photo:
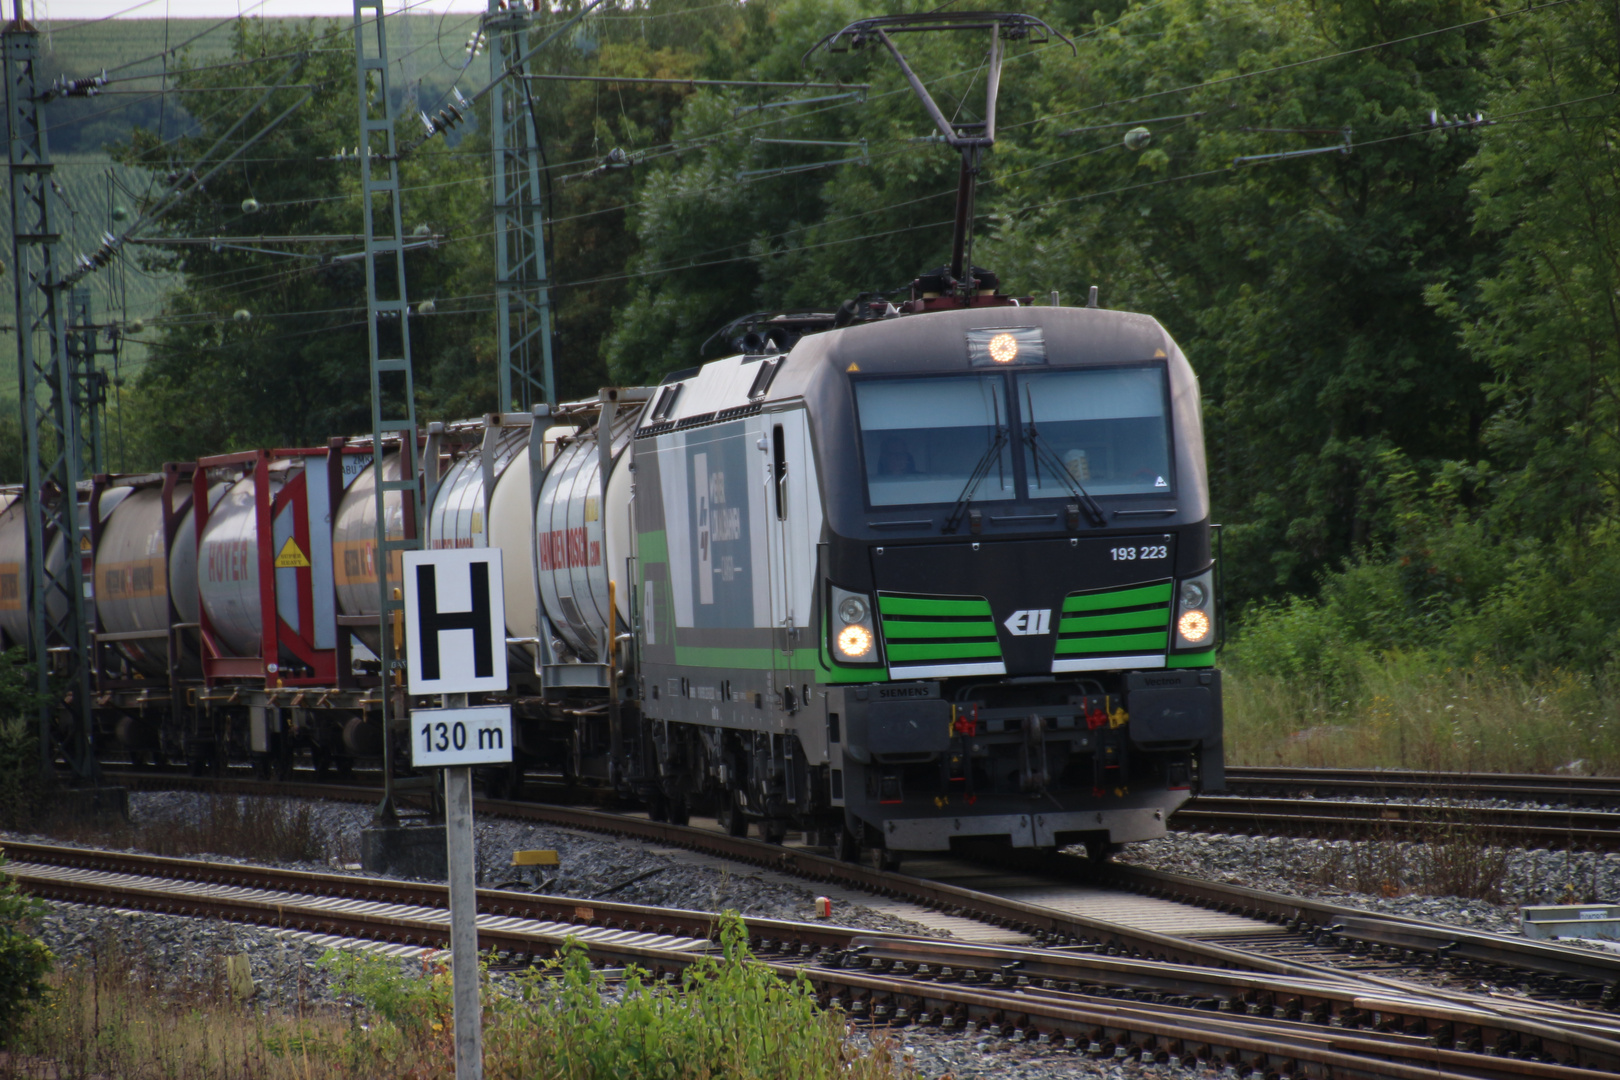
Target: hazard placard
291	557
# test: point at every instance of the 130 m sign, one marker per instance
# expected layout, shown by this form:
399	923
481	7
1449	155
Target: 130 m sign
480	735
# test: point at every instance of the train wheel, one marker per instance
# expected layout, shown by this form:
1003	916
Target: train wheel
732	818
657	806
1099	851
503	781
845	847
772	831
885	860
680	811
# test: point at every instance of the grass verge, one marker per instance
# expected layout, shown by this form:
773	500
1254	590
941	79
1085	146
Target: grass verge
1407	711
727	1018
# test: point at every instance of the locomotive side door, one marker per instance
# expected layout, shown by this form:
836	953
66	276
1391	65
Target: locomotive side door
792	507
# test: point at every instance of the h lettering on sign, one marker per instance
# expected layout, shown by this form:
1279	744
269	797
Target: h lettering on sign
455	621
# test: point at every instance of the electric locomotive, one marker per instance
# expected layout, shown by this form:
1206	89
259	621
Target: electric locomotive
929	578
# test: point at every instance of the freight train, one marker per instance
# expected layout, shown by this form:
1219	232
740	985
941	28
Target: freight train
897	577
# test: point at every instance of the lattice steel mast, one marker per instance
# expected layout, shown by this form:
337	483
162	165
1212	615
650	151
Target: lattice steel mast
58	643
522	290
89	381
393	390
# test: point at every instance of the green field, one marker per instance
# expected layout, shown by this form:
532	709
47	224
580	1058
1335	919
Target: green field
428	50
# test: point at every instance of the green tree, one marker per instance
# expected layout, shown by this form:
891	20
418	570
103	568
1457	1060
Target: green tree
266	344
1295	285
737	224
1547	321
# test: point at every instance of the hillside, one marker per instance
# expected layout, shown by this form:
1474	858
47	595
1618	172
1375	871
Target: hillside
135	53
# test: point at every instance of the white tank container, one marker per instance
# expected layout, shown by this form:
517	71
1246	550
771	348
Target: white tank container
354	544
228	566
14	574
580	544
132	577
135	578
457	519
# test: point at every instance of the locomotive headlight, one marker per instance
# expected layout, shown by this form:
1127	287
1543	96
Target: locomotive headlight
854	642
1195	611
854	636
1003	348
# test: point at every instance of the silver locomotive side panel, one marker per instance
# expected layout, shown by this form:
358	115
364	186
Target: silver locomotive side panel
727	555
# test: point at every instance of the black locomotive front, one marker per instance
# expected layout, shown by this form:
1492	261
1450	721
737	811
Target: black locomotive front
1019	610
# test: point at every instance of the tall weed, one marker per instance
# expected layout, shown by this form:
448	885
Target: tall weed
1408	711
240	826
1450	860
728	1017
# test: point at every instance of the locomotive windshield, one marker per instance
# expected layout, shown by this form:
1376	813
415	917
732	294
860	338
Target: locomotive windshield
1107	426
922	438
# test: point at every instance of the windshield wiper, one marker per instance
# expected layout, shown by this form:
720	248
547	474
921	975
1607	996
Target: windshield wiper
980	471
1042	452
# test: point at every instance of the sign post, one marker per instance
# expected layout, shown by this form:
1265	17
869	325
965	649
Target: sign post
455	642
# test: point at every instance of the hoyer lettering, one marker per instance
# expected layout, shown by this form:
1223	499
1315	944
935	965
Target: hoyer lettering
231	560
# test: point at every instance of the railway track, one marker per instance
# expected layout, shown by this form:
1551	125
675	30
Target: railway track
1274	933
1409	784
1265	801
1508	826
1112	1007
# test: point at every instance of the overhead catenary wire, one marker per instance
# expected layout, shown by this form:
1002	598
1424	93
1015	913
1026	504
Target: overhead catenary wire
166	201
712	137
1002	212
773	172
699	82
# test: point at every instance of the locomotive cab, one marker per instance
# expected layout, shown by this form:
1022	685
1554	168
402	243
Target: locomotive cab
934	578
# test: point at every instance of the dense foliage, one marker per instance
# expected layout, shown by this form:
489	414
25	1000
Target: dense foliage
24	959
1409	350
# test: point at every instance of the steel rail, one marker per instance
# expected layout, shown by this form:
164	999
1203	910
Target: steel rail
1414	783
429	895
1589	830
1595	974
1147	1032
1345	1002
1339	998
766	935
1047	925
1455	947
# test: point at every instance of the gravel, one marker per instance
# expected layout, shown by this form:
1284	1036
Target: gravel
591	867
174	955
168	952
1330	870
937	1056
